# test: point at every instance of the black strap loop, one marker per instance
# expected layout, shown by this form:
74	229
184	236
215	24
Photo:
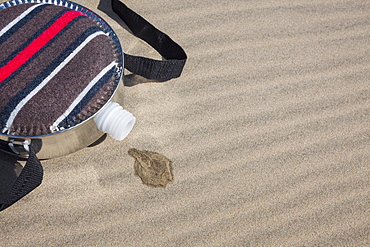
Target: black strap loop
149	68
30	178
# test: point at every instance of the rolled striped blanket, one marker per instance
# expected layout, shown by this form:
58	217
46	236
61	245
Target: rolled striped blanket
59	64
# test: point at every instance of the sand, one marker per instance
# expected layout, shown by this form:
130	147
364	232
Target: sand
268	129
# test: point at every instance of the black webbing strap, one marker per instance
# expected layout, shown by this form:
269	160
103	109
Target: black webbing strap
149	68
30	177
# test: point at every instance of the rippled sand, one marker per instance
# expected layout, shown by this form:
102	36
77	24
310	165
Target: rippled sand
268	129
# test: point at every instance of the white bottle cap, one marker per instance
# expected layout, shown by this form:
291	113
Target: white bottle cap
115	121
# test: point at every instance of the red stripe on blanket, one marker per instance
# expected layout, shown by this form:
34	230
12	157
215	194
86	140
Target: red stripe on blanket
37	44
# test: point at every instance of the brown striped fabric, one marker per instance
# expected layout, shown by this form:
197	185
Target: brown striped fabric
67	68
31	27
13	13
40	63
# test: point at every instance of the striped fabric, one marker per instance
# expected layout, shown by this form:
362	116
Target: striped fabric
57	68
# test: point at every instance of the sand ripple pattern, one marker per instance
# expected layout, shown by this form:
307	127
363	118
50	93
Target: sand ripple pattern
268	130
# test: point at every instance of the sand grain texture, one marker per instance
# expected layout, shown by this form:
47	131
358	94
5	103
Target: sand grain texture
268	129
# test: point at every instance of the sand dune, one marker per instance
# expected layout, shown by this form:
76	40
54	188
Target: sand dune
268	129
